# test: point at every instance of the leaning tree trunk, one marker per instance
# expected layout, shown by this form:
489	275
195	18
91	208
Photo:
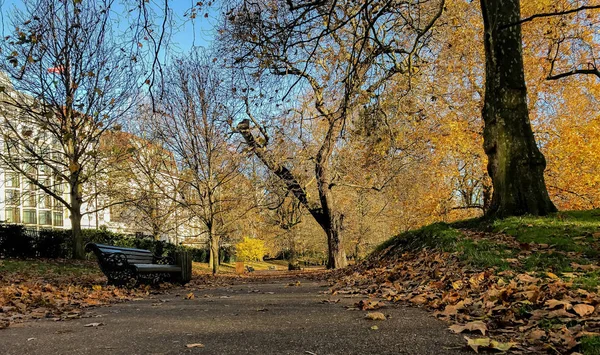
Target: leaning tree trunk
330	219
515	163
75	216
336	257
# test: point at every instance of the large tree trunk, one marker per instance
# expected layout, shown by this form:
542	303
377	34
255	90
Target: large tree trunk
515	163
336	257
75	216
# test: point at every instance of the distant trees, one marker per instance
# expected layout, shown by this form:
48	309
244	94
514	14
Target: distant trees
73	78
140	185
193	124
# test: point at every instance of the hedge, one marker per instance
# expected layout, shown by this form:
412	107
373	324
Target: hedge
16	241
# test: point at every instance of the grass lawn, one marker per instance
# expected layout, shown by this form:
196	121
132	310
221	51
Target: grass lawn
229	268
47	269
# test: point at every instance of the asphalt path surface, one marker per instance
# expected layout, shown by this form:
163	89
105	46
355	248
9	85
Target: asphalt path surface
261	317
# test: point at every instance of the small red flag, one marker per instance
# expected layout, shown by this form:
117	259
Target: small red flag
56	70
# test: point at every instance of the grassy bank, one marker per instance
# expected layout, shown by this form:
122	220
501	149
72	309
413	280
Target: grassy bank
532	283
561	243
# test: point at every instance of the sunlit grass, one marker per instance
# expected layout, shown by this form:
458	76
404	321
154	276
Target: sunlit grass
559	240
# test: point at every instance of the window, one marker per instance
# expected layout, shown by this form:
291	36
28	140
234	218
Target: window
59	186
45	218
11	197
12	215
45	170
58	206
30	186
29	199
45	201
12	180
58	219
29	217
30	169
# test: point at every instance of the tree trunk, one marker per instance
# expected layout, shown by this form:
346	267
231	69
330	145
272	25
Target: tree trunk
75	216
293	259
213	241
515	163
327	218
336	256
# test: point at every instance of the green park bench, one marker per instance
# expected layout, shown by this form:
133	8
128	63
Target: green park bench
129	266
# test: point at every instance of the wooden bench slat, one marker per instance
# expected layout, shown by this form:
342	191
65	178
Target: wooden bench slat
156	268
124	250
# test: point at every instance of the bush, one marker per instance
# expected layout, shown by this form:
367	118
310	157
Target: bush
16	241
250	249
53	244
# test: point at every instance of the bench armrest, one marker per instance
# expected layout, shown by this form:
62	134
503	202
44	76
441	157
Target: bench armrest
115	260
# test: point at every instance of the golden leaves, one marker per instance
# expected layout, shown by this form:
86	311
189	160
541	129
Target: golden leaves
487	343
375	316
583	309
471	326
63	296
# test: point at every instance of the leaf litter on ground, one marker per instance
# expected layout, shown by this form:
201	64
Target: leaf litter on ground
518	310
60	295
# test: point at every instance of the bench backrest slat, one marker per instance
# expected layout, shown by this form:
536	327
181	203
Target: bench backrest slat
134	256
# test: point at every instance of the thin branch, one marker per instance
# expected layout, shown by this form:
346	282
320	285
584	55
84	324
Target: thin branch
549	14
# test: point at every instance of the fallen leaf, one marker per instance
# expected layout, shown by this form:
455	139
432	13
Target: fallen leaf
367	305
471	326
337	300
419	299
189	296
195	345
374	327
504	347
476	343
536	335
375	316
552	303
94	325
583	309
552	276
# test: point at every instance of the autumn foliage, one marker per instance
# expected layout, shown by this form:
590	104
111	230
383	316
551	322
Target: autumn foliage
250	249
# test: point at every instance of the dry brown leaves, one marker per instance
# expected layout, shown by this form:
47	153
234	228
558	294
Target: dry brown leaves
24	297
519	311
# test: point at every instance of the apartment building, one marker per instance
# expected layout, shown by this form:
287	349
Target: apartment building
143	211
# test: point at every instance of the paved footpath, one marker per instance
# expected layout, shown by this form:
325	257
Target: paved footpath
267	317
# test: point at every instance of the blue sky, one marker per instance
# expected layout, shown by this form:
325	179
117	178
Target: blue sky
185	33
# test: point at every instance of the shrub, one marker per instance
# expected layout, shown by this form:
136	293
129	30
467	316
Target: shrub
16	241
250	249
